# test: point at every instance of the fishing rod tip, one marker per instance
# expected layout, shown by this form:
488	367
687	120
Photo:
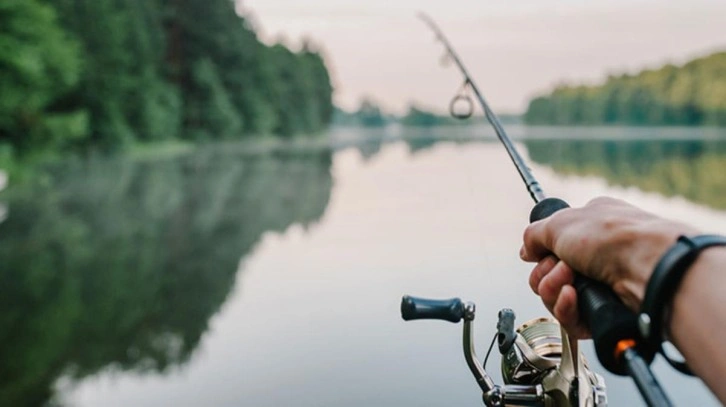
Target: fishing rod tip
423	16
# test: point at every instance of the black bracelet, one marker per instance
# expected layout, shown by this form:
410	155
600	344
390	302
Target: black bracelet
662	287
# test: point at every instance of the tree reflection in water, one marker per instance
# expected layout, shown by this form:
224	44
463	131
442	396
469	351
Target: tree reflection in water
693	169
122	263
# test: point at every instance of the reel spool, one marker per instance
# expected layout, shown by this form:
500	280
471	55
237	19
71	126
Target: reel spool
540	352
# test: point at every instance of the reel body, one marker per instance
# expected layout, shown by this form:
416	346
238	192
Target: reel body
540	365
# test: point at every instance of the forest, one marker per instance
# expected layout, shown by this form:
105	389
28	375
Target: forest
690	95
103	74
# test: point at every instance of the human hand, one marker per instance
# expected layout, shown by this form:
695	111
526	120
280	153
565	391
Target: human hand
607	240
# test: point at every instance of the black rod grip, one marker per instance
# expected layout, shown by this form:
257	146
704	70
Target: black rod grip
608	319
545	208
451	310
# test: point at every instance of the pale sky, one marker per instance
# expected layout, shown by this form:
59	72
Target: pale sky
514	49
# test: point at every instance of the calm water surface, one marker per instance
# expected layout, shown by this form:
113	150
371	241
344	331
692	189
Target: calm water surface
226	278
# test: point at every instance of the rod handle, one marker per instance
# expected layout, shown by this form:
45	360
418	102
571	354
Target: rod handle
608	319
451	310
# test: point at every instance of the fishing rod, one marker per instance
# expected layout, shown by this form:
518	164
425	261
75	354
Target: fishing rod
614	328
532	185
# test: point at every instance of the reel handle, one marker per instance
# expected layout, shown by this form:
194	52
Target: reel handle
451	310
608	319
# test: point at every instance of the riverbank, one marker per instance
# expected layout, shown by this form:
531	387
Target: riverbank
343	137
27	168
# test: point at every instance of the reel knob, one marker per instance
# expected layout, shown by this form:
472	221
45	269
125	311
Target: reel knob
451	310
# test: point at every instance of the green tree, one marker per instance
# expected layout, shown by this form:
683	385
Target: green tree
692	94
110	72
39	65
210	114
370	114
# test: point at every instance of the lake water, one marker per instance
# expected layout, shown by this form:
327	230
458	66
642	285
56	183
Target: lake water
223	277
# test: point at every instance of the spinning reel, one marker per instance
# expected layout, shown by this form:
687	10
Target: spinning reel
540	365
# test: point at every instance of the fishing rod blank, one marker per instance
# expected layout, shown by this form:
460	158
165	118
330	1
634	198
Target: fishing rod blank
532	185
613	326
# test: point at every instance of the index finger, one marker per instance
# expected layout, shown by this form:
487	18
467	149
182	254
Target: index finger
540	238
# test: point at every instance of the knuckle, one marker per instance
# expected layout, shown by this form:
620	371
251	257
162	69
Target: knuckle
549	288
601	200
528	235
551	240
531	236
610	223
533	281
560	219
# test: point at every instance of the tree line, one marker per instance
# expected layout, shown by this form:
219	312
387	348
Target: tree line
692	94
371	114
105	73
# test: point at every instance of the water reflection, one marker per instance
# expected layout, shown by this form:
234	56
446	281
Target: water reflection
690	163
315	321
694	169
122	263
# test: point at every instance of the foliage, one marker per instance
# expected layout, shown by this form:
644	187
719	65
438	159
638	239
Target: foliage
369	114
90	73
423	118
692	94
39	64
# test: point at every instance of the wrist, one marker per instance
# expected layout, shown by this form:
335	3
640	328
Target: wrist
705	278
697	322
648	244
673	267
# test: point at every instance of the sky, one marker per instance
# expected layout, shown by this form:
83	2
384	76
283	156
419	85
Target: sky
515	49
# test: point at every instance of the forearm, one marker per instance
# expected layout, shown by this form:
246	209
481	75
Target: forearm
698	320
